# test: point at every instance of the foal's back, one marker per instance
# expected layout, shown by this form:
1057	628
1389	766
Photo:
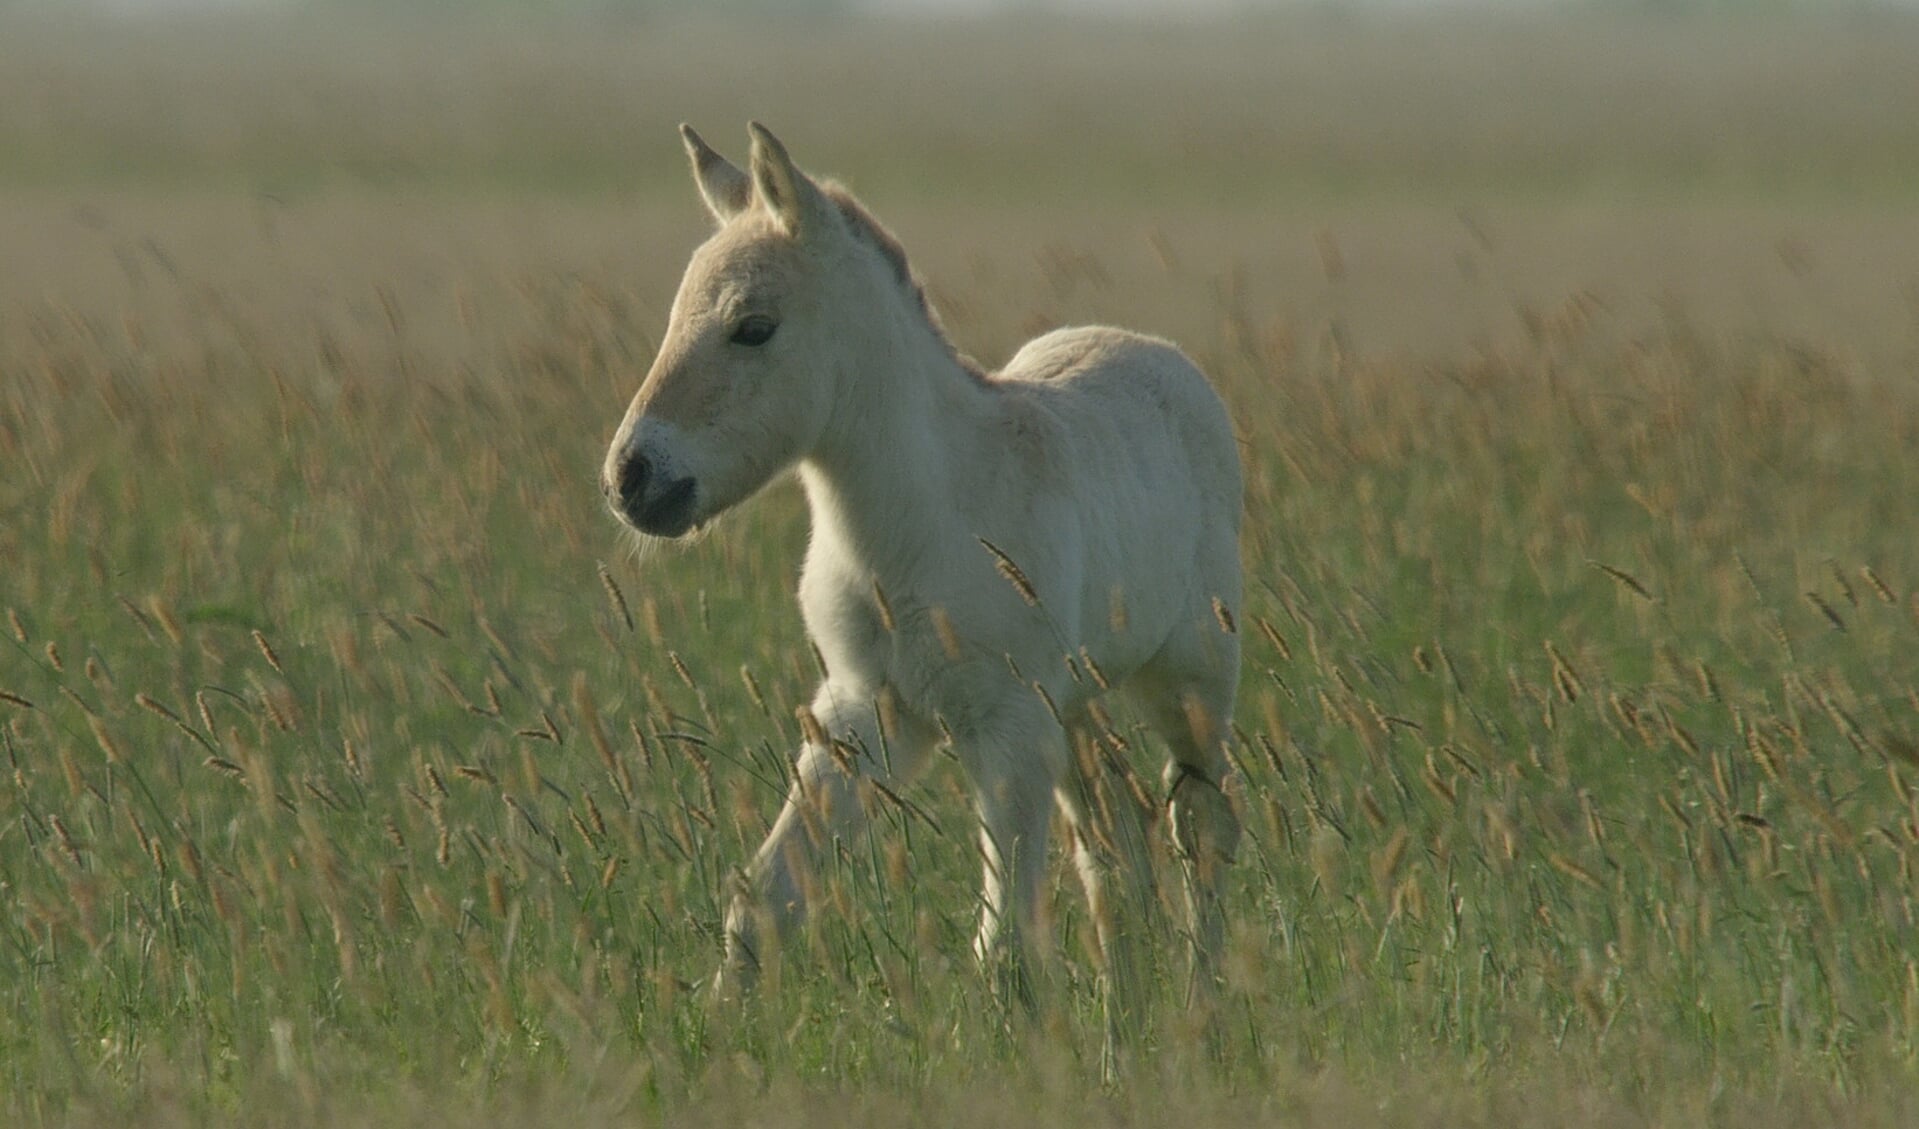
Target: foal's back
1147	449
1103	380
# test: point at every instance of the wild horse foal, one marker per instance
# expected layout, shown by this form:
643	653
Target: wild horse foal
989	553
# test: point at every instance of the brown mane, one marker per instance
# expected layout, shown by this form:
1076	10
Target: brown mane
874	234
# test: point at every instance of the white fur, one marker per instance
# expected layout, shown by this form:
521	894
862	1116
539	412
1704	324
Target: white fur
1098	461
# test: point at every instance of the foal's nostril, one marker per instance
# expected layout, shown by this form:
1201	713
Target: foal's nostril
633	478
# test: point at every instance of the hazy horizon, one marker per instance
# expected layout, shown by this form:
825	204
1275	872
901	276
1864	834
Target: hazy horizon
1168	8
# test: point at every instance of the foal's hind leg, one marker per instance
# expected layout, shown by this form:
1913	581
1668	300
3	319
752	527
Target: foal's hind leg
1109	851
1186	691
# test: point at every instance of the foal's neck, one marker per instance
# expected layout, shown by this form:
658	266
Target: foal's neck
883	481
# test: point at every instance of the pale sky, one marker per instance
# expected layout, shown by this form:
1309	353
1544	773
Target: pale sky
1134	7
1168	6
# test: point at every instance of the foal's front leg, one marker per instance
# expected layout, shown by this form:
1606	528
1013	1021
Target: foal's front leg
824	806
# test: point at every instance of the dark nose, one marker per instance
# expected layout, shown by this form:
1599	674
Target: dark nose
633	476
648	498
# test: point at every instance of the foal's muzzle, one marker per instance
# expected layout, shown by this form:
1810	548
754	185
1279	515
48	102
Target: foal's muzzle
649	501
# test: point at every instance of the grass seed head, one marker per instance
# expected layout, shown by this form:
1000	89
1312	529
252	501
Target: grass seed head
753	690
1093	670
943	630
1823	608
1626	579
105	740
1224	615
1012	574
267	651
810	728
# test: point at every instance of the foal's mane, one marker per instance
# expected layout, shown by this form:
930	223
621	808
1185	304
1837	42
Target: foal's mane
870	231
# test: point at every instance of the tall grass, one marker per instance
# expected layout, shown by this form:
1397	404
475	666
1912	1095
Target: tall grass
356	772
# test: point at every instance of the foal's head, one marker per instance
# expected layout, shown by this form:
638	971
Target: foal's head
761	336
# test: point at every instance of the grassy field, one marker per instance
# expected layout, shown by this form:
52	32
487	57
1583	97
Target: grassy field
356	773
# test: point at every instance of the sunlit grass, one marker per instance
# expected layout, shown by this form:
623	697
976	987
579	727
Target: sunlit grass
358	772
347	749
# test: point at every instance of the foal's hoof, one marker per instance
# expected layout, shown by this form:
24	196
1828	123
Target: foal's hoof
733	980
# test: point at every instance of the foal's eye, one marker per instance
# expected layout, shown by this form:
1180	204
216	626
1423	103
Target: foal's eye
754	331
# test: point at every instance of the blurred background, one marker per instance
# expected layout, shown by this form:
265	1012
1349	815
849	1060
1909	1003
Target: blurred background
1403	176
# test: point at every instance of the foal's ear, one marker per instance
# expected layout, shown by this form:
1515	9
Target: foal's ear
726	189
793	199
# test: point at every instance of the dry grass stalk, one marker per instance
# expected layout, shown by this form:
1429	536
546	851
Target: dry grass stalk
1224	615
1092	670
1625	578
1839	581
678	664
943	630
1565	678
1574	871
1012	574
1823	608
105	740
428	624
1879	587
753	690
266	650
810	728
588	712
223	765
